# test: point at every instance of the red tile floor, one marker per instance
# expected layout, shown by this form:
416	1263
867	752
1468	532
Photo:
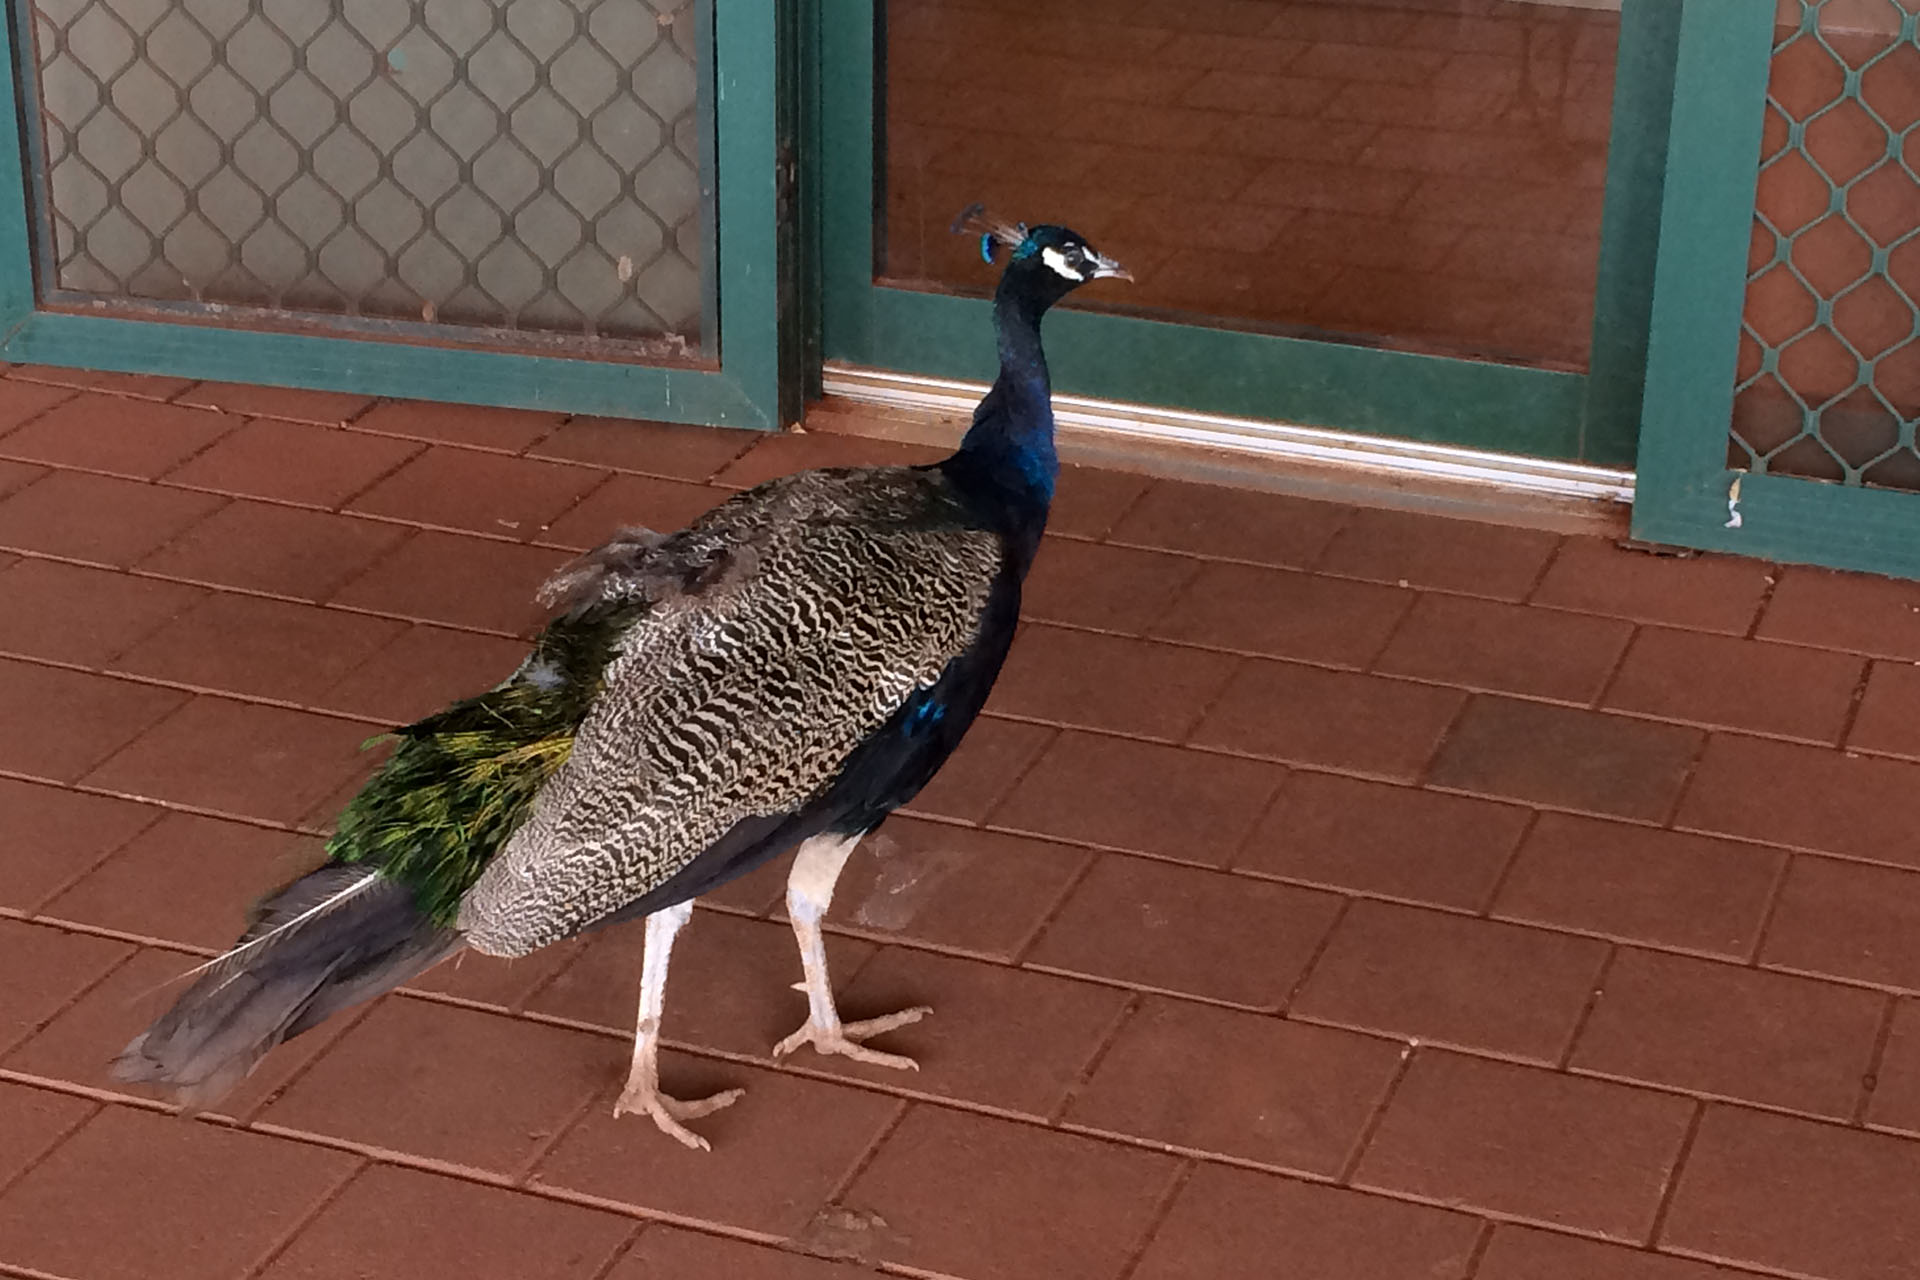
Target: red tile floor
1337	894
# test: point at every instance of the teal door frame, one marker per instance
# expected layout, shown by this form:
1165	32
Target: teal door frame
757	380
1591	417
1687	494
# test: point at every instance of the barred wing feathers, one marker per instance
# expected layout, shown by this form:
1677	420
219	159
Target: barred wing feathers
783	629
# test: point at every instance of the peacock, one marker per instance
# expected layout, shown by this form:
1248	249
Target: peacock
779	675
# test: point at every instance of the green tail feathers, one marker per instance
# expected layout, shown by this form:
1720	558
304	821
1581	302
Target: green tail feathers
461	781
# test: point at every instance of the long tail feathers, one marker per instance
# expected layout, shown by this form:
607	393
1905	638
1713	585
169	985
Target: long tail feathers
324	943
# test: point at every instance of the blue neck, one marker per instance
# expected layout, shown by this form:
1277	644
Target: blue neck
1007	458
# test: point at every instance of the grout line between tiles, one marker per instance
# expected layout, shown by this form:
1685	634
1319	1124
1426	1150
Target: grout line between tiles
1776	893
86	1117
1157	1217
1110	1035
302	1221
1596	990
1350	1167
860	1164
1512	860
1635	631
1482	1242
1672	1186
9	1047
1876	1063
622	1251
1320	949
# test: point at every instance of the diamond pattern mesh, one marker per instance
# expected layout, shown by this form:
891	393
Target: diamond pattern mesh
1830	348
516	164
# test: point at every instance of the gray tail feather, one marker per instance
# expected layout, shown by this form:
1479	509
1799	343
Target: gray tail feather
309	960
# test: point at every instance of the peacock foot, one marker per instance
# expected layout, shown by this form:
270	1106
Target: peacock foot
643	1097
844	1039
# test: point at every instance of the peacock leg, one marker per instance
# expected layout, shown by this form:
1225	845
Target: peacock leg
642	1093
816	868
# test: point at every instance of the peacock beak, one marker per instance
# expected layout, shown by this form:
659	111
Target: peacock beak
1105	268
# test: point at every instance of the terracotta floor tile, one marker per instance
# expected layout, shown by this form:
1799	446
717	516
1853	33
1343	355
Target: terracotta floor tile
1525	1253
503	430
668	1251
1007	1038
1330	719
238	758
422	671
1233	524
1283	614
1185	930
294	462
1846	920
459	581
20	401
1798	1196
979	891
1700	593
1566	758
42	969
1231	1224
1802	796
78	1045
1088	501
1639	884
142	386
1420	550
1089	584
99	519
785	453
32	1123
1536	1145
1506	648
282	551
108	433
1142	797
778	1153
1111	683
1727	683
625	501
415	1076
259	648
1896	1083
1889	716
1384	840
291	404
66	722
1243	1084
988	761
187	879
382	1225
731	986
669	449
1852	611
53	836
465	489
1061	1206
68	613
1446	979
1735	1032
212	1201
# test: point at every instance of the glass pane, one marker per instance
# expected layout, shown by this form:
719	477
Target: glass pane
521	165
1421	174
1830	349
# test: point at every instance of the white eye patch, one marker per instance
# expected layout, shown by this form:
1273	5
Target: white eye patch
1058	261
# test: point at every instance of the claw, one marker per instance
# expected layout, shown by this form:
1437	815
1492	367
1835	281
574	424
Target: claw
642	1098
843	1039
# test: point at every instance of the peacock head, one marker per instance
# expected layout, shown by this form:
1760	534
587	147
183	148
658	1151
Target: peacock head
1046	262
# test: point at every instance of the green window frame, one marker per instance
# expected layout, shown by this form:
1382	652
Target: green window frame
756	382
1591	417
